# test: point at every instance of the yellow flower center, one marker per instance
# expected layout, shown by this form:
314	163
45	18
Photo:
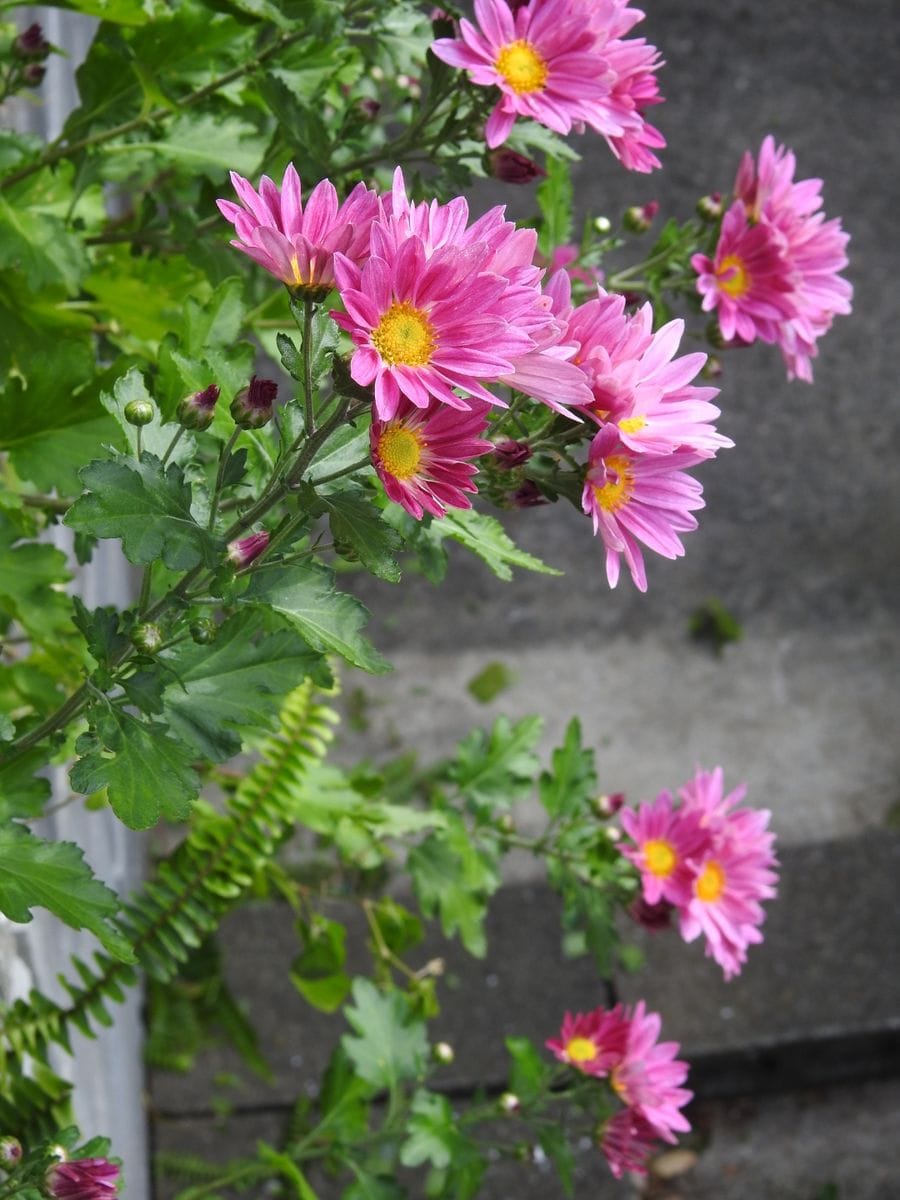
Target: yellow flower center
522	67
633	424
400	451
660	857
733	277
581	1050
619	485
710	883
404	335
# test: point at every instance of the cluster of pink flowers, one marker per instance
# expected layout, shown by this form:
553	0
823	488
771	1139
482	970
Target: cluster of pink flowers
709	859
565	64
623	1045
775	271
654	424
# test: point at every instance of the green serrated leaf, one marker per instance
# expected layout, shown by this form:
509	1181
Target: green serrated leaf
23	793
356	521
317	972
453	879
155	436
487	538
554	197
236	684
54	875
102	630
148	507
146	772
41	247
571	784
326	619
530	1074
433	1135
498	767
390	1045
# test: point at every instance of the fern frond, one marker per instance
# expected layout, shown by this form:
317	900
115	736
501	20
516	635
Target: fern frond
193	889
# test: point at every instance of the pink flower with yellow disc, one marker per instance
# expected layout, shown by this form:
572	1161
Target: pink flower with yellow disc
666	840
422	455
591	1042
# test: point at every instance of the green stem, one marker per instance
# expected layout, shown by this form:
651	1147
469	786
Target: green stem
54	504
145	588
55	153
220	475
174	442
357	466
307	369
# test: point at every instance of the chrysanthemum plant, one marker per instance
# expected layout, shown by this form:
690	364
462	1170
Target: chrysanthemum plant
365	370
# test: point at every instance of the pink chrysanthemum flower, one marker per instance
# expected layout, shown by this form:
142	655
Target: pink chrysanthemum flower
637	382
627	1141
426	325
748	282
591	1042
730	881
639	498
420	455
82	1179
295	242
814	249
666	840
545	60
635	88
648	1078
705	796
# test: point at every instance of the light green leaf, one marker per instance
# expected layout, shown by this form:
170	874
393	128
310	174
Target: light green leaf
487	538
453	879
31	576
146	772
433	1134
148	508
236	684
498	768
328	620
554	197
572	782
54	875
201	142
155	436
23	793
40	246
391	1044
317	972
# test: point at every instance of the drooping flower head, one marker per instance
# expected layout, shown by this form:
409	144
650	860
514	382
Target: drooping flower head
422	455
544	59
639	498
243	551
591	1042
296	242
648	1077
627	1141
748	282
666	840
82	1179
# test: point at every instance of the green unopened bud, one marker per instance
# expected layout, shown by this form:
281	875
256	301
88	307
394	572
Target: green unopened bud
442	1052
712	368
252	406
639	217
506	824
710	207
204	630
197	410
60	1153
602	224
509	1103
140	412
10	1152
147	637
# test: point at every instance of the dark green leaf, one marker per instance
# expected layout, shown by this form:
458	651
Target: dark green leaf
23	793
487	685
328	620
530	1074
317	972
39	246
54	875
102	631
148	508
571	784
356	521
146	772
487	538
452	878
499	767
390	1044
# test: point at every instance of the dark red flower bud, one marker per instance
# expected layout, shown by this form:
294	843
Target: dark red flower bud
639	217
510	454
527	496
33	75
31	43
609	805
368	107
512	167
252	406
242	552
197	411
651	916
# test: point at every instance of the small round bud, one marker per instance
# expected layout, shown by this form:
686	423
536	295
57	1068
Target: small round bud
147	637
512	167
243	551
139	412
602	224
31	43
203	630
527	496
510	454
609	805
252	406
60	1153
368	107
651	916
506	824
434	966
10	1147
639	217
33	75
509	1103
614	833
712	369
442	24
710	207
442	1052
197	410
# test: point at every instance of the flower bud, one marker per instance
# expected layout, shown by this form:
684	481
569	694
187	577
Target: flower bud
509	1103
10	1147
602	224
147	637
197	411
512	167
527	496
139	412
252	406
33	75
714	335
710	207
509	454
639	217
442	24
506	824
31	43
651	916
243	551
609	805
203	630
442	1052
368	107
82	1179
712	368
